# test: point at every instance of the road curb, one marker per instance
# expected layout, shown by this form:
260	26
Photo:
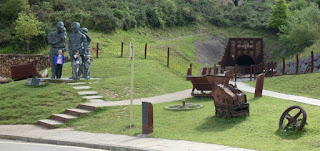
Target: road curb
69	143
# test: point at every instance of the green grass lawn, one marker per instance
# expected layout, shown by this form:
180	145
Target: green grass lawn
303	85
257	131
22	104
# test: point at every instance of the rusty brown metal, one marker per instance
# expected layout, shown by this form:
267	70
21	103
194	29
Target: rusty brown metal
259	85
229	101
293	121
204	71
251	67
254	72
19	72
121	49
168	57
189	72
297	63
97	51
206	83
283	65
312	61
147	118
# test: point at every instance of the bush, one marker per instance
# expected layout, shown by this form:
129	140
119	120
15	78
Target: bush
278	14
103	20
301	29
5	38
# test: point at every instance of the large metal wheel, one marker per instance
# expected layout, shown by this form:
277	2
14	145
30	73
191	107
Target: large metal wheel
293	121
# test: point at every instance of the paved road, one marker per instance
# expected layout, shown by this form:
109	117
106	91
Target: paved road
6	145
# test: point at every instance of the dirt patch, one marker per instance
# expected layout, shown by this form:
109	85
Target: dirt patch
211	51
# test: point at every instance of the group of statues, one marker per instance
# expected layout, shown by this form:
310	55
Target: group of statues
79	41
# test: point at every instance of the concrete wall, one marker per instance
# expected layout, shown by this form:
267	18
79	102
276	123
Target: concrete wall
8	60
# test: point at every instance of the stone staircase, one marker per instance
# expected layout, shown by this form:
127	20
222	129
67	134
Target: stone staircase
58	119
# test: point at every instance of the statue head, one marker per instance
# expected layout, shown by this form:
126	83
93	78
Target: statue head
60	26
75	26
84	30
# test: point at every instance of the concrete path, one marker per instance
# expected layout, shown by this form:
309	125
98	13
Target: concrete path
157	99
102	141
301	99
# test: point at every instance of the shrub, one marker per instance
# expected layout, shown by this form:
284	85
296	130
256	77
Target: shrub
278	14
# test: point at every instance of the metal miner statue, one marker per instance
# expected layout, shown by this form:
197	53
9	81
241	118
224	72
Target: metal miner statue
85	54
77	40
57	40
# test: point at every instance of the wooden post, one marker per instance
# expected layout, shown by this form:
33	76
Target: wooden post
251	67
312	61
209	71
254	72
190	68
262	67
215	70
121	49
283	65
97	55
297	63
168	57
145	51
235	72
272	69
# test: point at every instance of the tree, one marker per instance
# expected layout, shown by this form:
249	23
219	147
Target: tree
26	27
278	14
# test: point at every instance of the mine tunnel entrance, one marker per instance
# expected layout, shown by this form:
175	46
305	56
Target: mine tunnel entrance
244	60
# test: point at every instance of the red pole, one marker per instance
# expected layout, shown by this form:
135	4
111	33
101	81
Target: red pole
235	72
297	64
254	72
145	51
168	57
190	68
283	65
312	61
271	69
251	67
121	49
97	50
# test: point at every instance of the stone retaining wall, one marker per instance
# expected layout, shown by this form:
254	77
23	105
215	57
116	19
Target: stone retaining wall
304	66
8	60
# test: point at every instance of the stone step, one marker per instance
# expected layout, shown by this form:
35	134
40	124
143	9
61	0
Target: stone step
96	100
93	97
62	117
87	93
82	87
77	83
77	112
49	123
87	107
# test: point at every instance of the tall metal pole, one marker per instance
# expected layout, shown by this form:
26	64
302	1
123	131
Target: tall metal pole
132	75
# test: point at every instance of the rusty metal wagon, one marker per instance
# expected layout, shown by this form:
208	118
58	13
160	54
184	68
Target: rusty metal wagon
206	84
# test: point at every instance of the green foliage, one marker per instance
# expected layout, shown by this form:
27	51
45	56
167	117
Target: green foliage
297	5
302	29
10	8
27	27
278	14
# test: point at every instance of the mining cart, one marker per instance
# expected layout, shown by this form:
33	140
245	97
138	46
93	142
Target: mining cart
229	101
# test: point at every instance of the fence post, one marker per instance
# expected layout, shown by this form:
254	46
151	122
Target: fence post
97	55
145	51
272	69
168	57
215	70
297	64
262	67
254	72
251	67
121	49
312	61
283	65
235	73
190	68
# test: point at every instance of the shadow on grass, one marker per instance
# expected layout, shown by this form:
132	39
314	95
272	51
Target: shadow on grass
219	124
289	135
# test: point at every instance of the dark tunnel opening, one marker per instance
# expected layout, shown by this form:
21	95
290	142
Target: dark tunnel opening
244	60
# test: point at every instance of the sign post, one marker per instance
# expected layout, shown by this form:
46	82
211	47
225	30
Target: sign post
132	74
